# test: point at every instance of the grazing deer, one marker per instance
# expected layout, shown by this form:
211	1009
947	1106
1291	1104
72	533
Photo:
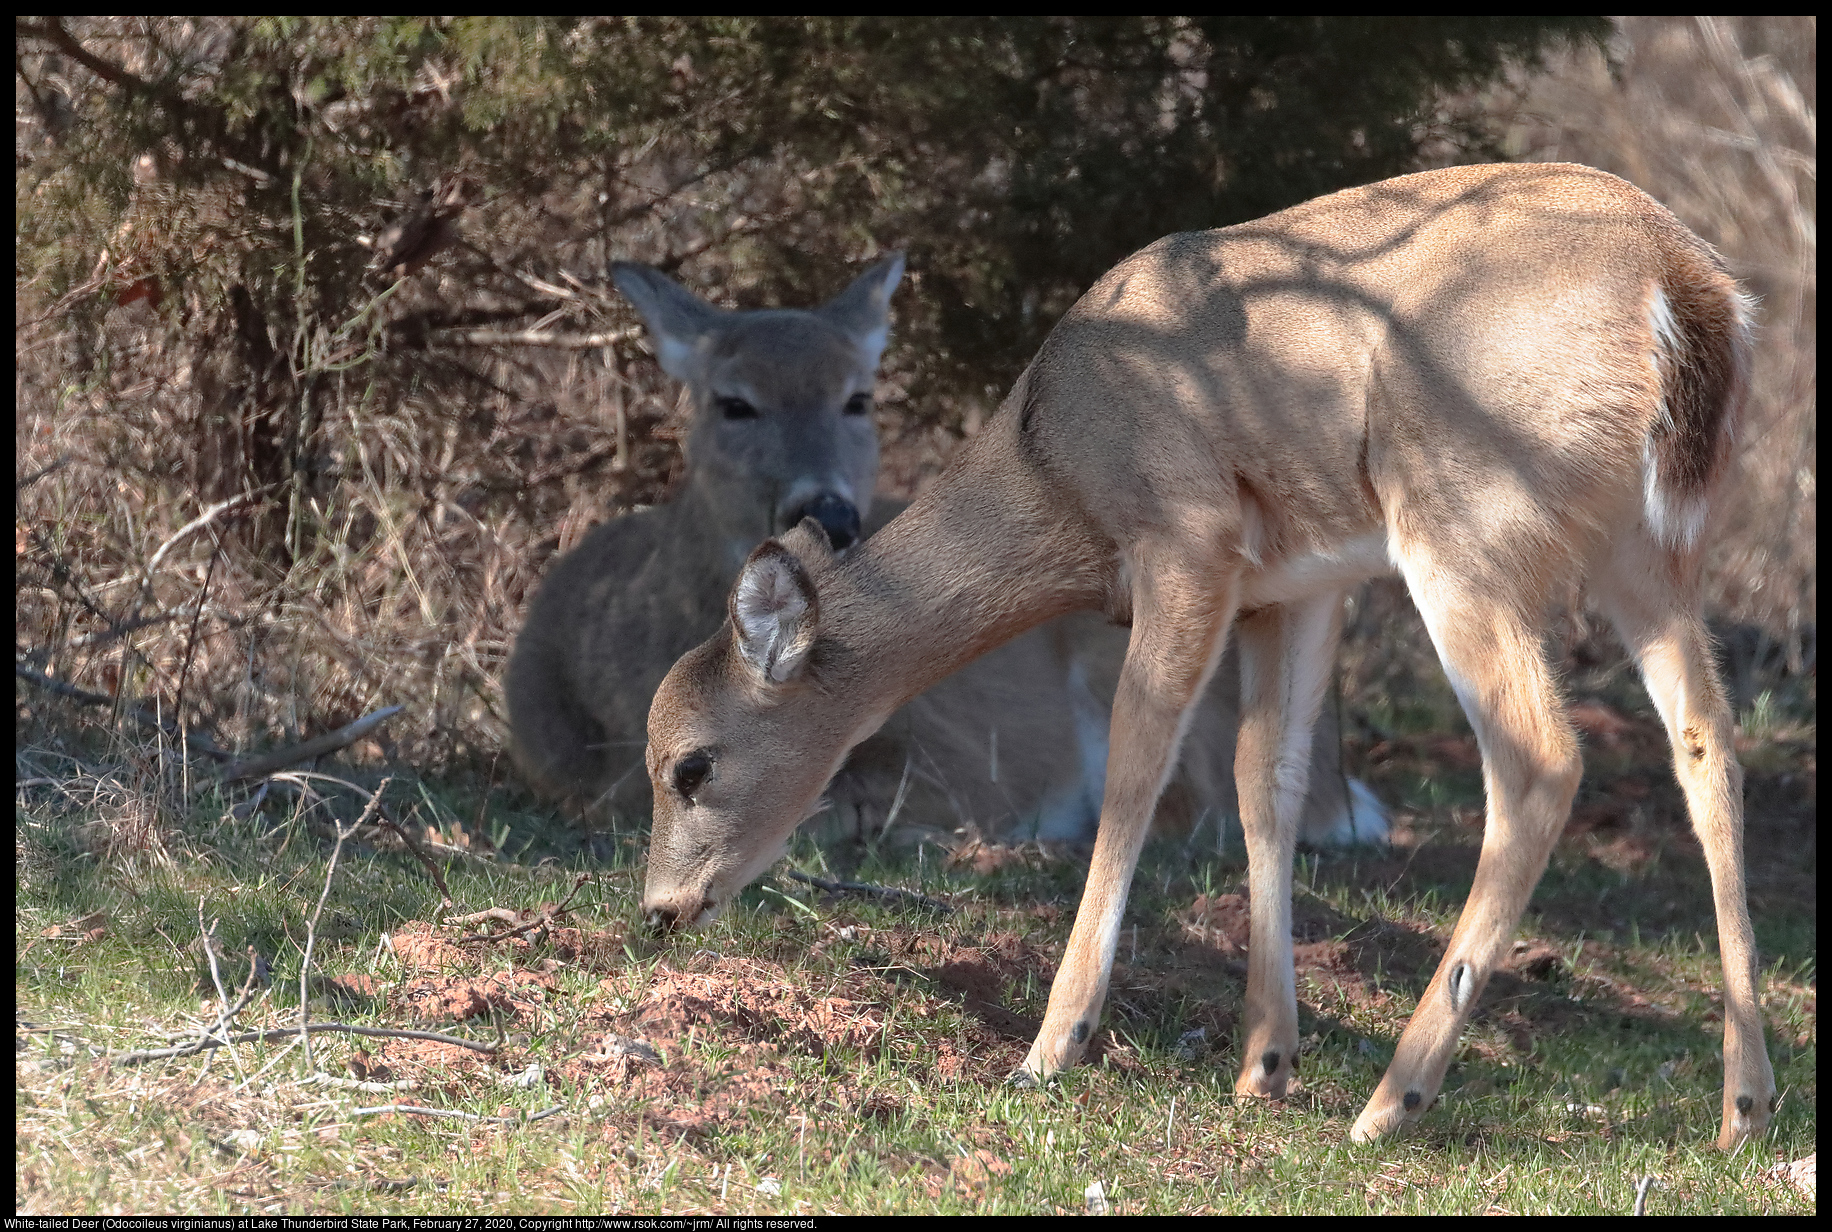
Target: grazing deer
781	430
1497	380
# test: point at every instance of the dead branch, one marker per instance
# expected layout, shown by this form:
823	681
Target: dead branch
289	1033
542	919
86	698
529	337
22	484
873	891
189	528
311	925
55	34
349	733
225	1012
448	1114
190	641
419	854
60	570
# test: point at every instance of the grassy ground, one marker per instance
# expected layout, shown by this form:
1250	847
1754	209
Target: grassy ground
849	1055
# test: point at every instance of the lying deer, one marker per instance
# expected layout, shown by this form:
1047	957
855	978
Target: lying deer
1498	381
782	429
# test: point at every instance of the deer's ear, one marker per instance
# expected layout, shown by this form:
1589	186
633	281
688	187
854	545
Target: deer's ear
864	308
775	614
677	318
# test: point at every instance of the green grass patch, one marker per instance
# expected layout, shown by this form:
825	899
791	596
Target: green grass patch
813	1053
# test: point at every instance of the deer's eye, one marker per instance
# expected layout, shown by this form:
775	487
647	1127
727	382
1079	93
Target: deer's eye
859	404
690	771
735	408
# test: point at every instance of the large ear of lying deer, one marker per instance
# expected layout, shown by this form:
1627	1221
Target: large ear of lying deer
774	613
863	309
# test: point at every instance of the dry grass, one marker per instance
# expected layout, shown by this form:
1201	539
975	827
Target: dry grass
434	503
814	1053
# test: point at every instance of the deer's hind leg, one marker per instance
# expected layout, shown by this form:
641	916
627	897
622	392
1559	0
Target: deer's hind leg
1648	593
1486	624
1285	655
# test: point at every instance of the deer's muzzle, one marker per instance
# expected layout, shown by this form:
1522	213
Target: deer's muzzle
677	911
838	516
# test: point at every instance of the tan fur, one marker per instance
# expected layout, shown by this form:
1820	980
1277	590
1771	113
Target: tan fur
1503	379
1000	745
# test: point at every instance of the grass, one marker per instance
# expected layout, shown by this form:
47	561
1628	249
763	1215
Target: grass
849	1055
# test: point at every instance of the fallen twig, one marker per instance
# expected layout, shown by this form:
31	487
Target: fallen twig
542	919
873	891
448	1114
349	733
20	485
226	1012
86	698
529	337
189	528
285	1033
311	925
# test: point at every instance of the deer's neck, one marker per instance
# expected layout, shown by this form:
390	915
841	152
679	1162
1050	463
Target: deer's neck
716	534
988	552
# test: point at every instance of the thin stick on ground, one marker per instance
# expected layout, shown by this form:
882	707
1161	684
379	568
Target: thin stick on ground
225	1013
311	925
141	1056
545	917
448	1114
86	698
317	746
195	524
872	891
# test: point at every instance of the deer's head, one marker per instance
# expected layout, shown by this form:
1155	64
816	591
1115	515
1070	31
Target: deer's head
745	732
782	424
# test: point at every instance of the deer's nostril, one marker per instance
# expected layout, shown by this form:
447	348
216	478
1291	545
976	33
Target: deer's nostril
838	516
668	918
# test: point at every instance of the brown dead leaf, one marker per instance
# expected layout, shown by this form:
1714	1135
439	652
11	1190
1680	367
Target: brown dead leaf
1601	722
974	1172
1223	921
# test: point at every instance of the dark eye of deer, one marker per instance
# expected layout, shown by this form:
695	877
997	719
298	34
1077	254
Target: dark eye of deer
859	404
689	772
736	408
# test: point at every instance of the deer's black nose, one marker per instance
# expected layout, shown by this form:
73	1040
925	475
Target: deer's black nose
838	516
674	913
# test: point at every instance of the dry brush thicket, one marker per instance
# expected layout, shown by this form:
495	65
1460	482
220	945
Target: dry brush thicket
396	590
1716	117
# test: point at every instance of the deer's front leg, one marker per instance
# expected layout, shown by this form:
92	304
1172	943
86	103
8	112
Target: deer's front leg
1178	630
